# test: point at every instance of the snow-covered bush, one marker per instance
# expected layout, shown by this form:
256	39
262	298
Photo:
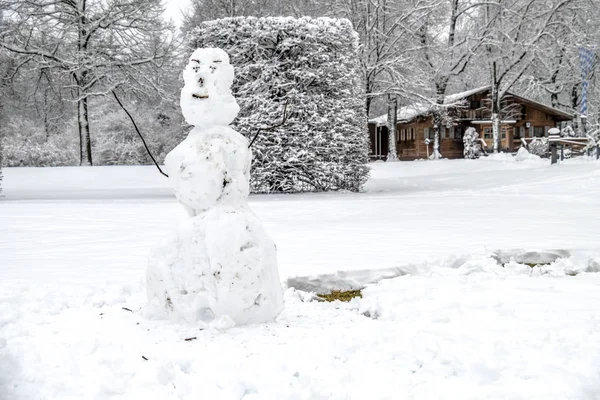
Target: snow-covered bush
35	149
568	132
539	146
472	144
312	66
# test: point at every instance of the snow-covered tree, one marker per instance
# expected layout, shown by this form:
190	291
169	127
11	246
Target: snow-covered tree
472	144
517	30
447	46
306	71
93	45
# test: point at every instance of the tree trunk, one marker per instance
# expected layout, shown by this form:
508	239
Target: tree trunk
496	131
435	154
438	120
85	144
495	110
392	119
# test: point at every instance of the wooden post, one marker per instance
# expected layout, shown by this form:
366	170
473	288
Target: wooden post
553	138
554	153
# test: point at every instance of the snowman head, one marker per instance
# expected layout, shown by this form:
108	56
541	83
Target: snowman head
206	98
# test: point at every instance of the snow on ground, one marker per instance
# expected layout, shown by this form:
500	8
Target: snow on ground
452	323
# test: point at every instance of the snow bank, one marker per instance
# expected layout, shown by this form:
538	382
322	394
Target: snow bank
482	335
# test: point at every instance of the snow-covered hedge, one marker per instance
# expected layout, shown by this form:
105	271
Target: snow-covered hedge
312	65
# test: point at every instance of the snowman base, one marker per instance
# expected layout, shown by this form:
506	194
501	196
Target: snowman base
218	264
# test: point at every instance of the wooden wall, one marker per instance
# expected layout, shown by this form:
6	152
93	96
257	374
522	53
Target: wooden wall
416	149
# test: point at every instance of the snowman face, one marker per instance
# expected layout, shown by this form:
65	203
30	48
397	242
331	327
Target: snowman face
206	98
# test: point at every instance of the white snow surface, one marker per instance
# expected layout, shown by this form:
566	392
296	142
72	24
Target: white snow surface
459	316
206	98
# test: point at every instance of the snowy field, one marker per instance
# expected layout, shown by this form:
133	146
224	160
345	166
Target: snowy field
449	322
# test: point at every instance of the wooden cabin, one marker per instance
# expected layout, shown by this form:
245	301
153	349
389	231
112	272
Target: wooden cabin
521	118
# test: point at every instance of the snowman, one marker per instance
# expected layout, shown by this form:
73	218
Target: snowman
219	264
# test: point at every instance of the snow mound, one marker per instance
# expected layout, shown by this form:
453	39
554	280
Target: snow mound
206	98
523	154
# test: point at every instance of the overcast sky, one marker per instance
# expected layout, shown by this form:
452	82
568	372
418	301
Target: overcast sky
173	9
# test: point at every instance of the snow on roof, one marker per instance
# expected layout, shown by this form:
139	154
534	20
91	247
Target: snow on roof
453	98
414	110
405	113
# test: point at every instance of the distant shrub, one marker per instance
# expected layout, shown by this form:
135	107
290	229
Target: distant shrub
472	148
26	145
539	146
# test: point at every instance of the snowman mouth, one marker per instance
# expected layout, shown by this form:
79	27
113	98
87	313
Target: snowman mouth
199	95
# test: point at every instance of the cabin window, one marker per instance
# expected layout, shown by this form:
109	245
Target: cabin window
487	133
519	133
503	130
475	104
412	133
538	131
443	132
402	134
429	133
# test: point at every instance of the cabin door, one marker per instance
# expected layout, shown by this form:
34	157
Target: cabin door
379	143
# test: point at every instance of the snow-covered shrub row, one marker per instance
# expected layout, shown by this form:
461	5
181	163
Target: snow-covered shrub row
312	65
27	145
114	140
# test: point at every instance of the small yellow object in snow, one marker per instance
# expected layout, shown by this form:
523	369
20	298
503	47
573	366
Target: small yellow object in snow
341	295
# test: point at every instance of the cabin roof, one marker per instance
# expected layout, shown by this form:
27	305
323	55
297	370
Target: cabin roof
414	110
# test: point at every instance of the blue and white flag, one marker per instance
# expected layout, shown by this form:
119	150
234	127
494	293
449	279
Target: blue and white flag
586	60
